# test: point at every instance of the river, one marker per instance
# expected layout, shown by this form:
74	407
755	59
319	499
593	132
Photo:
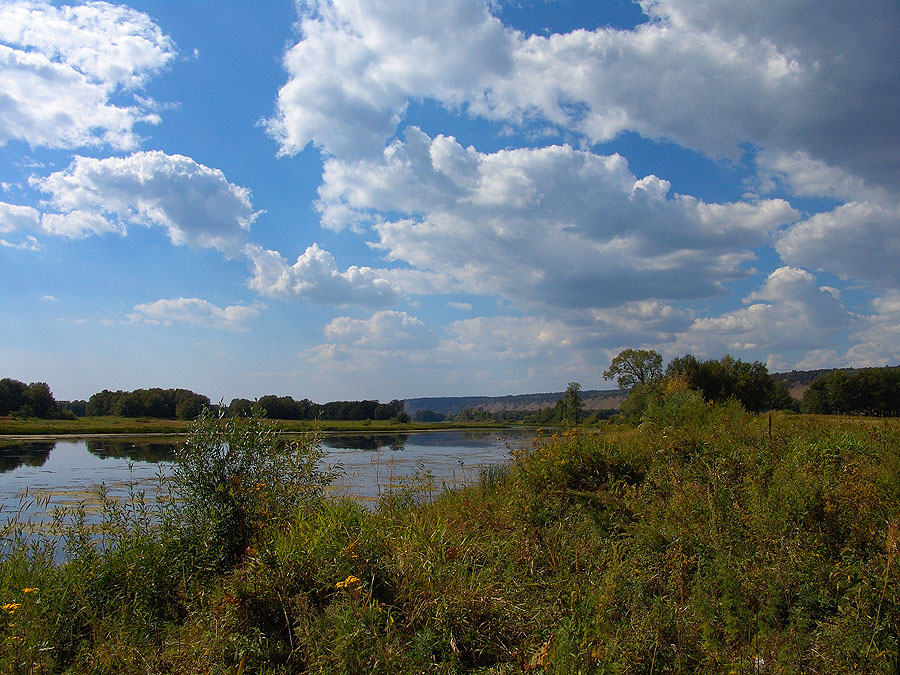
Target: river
37	476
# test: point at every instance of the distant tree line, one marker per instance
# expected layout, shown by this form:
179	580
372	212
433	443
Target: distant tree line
181	404
868	391
286	408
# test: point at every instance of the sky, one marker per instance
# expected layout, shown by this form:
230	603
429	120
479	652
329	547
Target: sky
348	199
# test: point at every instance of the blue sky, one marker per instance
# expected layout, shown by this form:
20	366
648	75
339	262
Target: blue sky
347	199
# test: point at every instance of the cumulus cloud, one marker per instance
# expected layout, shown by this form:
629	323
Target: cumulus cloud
859	240
195	204
195	312
789	312
788	76
14	218
316	277
553	226
351	75
388	330
646	322
65	71
878	341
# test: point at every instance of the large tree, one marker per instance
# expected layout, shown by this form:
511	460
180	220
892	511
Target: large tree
635	366
572	404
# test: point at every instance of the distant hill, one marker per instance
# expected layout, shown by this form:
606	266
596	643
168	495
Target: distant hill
797	381
453	405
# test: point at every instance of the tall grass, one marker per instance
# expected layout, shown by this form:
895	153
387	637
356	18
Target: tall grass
706	541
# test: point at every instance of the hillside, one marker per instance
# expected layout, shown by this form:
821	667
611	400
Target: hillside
797	381
452	405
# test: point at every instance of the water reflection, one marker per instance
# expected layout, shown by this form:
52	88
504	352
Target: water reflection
152	452
14	455
70	472
394	442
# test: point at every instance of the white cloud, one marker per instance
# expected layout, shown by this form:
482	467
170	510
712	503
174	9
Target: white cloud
793	77
646	322
878	343
195	312
14	218
858	240
78	224
27	244
552	227
316	277
388	331
61	68
195	204
351	75
499	354
789	312
461	306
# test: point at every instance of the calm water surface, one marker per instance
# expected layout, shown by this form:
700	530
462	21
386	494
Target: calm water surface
69	472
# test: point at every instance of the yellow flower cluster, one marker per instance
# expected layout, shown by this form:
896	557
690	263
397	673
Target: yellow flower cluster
349	583
11	607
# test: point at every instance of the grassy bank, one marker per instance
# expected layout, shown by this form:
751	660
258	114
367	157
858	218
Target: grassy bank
706	541
93	426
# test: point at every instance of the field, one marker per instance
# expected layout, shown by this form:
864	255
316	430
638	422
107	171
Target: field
706	540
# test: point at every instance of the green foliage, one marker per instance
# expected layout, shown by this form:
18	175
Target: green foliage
871	391
234	475
706	540
721	379
634	366
156	403
21	400
572	412
639	398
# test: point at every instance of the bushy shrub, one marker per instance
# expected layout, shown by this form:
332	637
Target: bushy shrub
235	475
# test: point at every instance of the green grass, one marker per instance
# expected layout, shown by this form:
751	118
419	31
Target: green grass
717	544
88	426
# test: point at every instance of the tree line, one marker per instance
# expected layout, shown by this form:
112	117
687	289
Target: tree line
641	372
181	404
36	400
868	391
286	408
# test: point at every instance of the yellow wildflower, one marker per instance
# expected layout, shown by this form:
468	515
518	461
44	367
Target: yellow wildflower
349	583
11	607
30	590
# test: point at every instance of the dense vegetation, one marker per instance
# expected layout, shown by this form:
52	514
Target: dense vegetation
26	400
158	403
715	380
286	408
707	540
870	391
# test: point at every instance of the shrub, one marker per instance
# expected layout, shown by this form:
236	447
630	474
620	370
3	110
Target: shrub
234	475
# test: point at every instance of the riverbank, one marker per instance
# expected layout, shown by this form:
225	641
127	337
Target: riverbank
85	427
708	540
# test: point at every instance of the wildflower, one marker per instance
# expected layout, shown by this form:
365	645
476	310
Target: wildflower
11	607
30	590
349	583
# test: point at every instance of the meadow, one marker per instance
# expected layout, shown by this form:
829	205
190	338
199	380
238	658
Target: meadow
704	540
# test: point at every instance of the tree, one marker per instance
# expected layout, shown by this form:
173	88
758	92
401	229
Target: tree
12	395
719	380
40	398
635	366
572	404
